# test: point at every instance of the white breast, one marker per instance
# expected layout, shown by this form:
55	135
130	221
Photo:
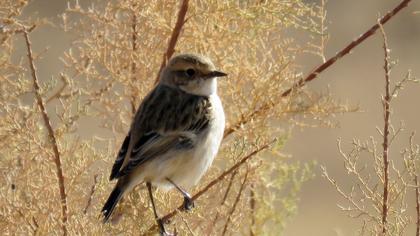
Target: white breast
206	148
192	166
186	168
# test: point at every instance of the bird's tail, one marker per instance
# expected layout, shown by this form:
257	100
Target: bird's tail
112	201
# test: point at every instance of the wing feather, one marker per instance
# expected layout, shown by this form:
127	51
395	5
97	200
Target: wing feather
120	158
167	119
155	147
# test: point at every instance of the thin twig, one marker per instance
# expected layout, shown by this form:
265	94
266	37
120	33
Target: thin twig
324	37
232	177
413	157
252	204
51	136
217	180
235	203
416	181
314	74
92	191
174	37
133	63
59	91
386	102
36	225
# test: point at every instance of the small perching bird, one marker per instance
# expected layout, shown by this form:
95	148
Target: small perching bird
175	134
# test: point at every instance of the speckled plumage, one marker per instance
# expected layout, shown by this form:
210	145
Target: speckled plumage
166	113
176	131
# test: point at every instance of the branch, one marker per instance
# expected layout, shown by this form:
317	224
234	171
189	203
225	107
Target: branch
51	136
216	180
92	191
416	181
232	177
174	37
413	158
133	64
314	74
59	91
232	210
252	203
386	102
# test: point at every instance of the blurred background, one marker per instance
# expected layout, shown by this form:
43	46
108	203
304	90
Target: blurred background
357	79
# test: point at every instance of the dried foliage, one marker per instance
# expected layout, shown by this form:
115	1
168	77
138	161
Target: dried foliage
381	182
110	66
113	62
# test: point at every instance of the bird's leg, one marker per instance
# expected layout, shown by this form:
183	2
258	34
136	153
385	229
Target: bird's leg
158	220
188	202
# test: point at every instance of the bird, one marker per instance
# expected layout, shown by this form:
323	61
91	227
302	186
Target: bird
174	136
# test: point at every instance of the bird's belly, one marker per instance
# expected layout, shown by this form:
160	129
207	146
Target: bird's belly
186	168
195	165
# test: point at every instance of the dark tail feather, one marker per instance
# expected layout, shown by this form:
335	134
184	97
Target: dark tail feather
112	201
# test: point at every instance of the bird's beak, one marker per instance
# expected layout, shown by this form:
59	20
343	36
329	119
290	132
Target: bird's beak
216	74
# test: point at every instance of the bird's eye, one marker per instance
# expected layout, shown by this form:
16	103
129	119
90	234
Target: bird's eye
190	72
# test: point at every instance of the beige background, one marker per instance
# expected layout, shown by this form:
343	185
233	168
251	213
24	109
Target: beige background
357	79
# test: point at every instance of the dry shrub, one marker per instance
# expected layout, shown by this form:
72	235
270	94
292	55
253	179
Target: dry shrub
109	68
381	183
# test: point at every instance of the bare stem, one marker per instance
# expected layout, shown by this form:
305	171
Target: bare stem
252	204
416	181
59	91
51	136
385	144
133	64
174	37
232	177
235	203
92	191
318	70
323	29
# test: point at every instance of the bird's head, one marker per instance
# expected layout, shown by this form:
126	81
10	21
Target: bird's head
192	73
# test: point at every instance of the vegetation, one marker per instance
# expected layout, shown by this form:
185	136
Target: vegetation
59	135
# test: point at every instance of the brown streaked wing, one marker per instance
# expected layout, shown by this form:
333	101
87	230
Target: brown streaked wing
162	122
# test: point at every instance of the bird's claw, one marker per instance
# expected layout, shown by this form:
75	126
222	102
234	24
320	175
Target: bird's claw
164	233
188	203
162	230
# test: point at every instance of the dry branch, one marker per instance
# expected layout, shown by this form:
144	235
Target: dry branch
232	177
235	203
416	181
413	159
386	102
314	74
92	191
217	180
174	37
133	63
59	91
229	186
51	135
252	203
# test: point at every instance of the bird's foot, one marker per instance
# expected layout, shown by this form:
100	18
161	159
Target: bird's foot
188	203
162	230
165	233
